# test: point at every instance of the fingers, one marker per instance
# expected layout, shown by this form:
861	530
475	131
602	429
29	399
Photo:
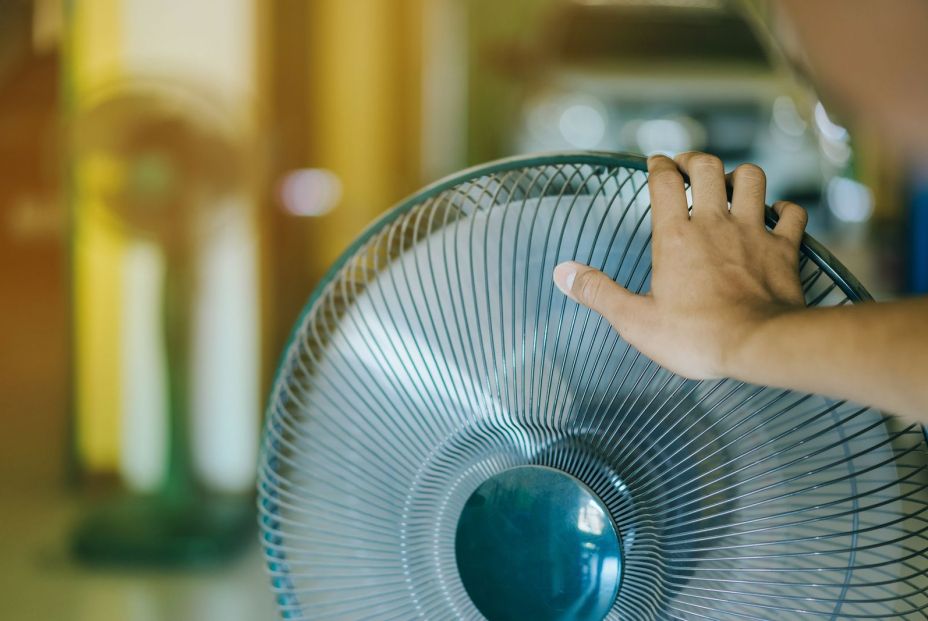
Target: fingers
707	178
791	221
749	189
600	293
668	197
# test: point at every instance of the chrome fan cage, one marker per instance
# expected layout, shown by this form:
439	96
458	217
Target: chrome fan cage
437	355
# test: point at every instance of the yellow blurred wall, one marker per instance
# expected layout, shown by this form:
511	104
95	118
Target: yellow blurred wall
348	94
93	56
365	108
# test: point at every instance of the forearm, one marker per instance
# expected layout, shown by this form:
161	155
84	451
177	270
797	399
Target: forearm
875	354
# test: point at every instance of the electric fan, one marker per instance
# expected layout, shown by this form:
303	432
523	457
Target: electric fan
449	437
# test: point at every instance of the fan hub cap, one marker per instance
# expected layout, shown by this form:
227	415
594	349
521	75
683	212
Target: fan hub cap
536	543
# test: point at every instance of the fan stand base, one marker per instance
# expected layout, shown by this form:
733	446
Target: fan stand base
151	531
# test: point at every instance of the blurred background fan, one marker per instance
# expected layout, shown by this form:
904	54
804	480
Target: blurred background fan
160	171
223	152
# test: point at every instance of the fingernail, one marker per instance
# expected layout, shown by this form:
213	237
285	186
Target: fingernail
564	276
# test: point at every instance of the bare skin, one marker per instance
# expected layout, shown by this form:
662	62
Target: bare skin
726	301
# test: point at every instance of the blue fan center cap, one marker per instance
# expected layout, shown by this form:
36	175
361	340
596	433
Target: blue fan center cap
535	543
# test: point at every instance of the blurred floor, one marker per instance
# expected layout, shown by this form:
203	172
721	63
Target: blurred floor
38	580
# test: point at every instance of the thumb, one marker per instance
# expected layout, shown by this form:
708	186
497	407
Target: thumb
600	293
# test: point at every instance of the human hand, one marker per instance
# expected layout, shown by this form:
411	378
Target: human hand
717	274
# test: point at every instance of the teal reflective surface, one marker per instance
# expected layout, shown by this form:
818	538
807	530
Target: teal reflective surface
535	543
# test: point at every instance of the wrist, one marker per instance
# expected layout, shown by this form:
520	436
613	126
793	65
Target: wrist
751	348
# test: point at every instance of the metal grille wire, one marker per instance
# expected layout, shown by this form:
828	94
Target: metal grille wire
437	353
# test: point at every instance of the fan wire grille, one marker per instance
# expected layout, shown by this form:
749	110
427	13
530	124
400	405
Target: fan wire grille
437	353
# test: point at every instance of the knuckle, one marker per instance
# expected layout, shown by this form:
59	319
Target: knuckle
788	251
659	160
749	172
665	174
785	246
588	287
673	237
801	214
706	160
795	211
670	243
682	158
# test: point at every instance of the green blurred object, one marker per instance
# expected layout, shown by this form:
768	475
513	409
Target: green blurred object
181	167
181	524
534	543
152	531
